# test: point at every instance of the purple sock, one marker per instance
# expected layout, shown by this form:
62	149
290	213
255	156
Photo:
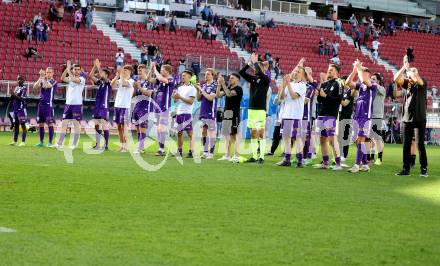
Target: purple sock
325	159
106	136
75	139
51	133
299	158
161	138
205	144
41	134
98	137
23	136
338	160
359	154
179	150
287	157
61	140
141	141
306	148
211	145
364	155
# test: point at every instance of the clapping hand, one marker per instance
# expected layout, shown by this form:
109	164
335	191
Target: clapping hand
254	58
97	63
42	73
405	62
68	65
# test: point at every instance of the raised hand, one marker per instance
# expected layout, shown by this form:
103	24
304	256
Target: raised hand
42	73
254	58
220	79
322	77
286	79
405	62
97	63
68	64
301	62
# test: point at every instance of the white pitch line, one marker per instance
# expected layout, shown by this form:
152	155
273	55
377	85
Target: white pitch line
7	230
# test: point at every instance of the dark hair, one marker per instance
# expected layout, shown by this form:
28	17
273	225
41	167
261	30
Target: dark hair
236	75
106	71
379	78
337	67
189	72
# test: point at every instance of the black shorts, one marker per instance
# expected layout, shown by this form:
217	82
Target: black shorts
230	126
377	128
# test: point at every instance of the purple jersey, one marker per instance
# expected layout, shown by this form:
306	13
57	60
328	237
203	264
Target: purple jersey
310	94
19	104
47	94
143	106
103	94
364	102
163	95
208	109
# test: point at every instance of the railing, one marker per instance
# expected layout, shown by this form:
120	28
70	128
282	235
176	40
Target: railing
279	6
222	64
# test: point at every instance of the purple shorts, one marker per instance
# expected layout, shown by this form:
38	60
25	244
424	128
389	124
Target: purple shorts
101	113
45	114
306	127
73	112
163	118
183	122
140	119
210	123
121	115
361	127
21	115
290	128
326	126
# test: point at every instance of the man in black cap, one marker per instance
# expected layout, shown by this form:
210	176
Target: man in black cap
414	115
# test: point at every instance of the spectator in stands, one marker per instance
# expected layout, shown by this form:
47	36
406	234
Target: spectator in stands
126	7
253	37
367	33
205	34
268	57
405	26
205	13
375	45
29	31
23	30
228	33
83	5
39	30
375	55
46	30
338	26
334	16
335	46
37	18
89	18
70	6
271	24
59	11
151	53
242	30
78	18
199	29
357	39
173	24
52	12
181	66
321	46
195	68
353	22
410	54
328	46
213	30
31	52
427	28
120	58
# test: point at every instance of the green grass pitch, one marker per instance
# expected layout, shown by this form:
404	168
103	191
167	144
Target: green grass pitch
105	210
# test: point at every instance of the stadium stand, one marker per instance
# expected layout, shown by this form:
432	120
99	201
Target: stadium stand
425	46
64	43
292	43
175	46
